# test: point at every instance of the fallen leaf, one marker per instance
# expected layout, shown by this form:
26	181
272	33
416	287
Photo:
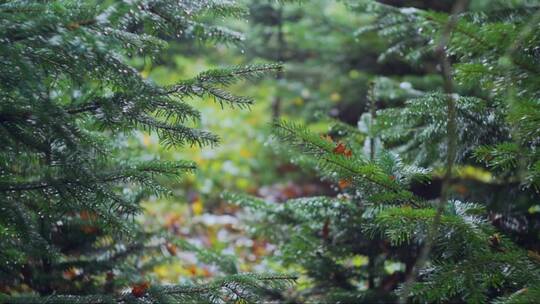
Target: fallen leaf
344	183
138	290
171	248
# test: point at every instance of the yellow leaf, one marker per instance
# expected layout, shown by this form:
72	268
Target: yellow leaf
197	207
245	153
146	140
242	183
354	74
335	97
475	173
298	101
145	73
162	271
359	260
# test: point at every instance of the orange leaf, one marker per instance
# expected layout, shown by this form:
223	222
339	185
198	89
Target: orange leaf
138	290
206	273
461	189
258	248
328	138
87	215
344	183
172	220
89	229
326	229
340	148
171	248
193	270
71	273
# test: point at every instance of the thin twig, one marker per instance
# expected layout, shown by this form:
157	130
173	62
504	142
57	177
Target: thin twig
452	136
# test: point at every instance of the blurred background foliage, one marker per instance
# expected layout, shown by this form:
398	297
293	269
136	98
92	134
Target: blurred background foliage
318	78
334	170
328	67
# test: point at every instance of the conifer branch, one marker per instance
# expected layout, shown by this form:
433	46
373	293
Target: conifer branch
206	83
107	177
325	153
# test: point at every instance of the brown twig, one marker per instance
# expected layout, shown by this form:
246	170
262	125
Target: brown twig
452	137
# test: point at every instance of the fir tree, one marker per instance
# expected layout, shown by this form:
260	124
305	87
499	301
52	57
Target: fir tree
381	239
69	99
271	19
308	38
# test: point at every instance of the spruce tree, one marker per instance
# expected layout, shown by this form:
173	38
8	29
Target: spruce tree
308	38
69	190
381	239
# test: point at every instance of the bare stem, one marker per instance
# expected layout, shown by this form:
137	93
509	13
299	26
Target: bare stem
452	136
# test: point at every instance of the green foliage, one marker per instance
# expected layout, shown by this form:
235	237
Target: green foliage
309	39
363	244
96	117
235	287
205	84
494	59
419	129
470	259
69	190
